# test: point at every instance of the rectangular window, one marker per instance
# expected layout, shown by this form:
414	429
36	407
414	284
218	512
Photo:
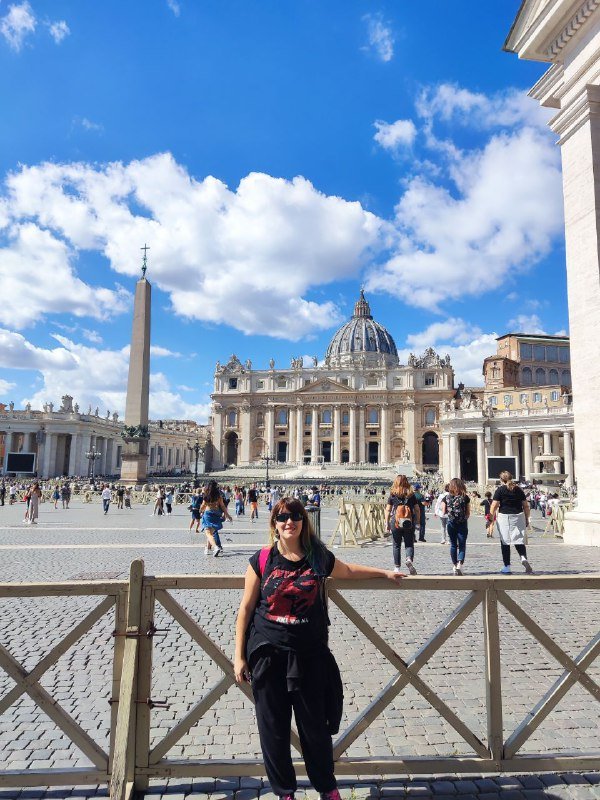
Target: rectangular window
564	355
493	401
523	399
260	384
372	380
345	381
281	383
345	418
537	397
308	418
539	352
429	380
526	351
233	382
554	396
326	417
397	381
507	399
551	352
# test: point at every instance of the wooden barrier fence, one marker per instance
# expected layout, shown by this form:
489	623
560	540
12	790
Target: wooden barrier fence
130	761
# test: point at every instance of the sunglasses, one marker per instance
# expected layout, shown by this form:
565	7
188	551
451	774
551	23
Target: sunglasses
295	516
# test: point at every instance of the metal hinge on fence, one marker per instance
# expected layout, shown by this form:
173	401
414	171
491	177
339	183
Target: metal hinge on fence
132	633
147	702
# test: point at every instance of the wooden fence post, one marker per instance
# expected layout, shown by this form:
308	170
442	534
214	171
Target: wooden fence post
493	679
144	688
123	757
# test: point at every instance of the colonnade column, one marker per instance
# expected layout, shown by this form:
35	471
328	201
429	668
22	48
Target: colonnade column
547	443
292	422
74	453
337	450
218	438
300	434
270	424
527	455
508	448
453	456
568	457
314	434
361	434
352	435
555	439
48	465
245	428
384	435
481	471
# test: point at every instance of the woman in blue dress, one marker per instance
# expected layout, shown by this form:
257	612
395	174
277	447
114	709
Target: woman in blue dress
212	511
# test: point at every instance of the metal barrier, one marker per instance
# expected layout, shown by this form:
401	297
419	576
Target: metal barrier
131	762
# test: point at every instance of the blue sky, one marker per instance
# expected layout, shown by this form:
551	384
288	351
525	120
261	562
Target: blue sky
275	155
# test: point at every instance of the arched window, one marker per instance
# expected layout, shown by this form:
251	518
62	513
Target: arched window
430	416
553	376
565	377
372	416
526	377
231	418
326	416
540	376
282	416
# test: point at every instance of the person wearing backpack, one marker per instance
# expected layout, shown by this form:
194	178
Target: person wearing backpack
456	507
281	646
442	517
402	515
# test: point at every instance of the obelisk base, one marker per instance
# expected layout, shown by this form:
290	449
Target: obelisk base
582	527
134	461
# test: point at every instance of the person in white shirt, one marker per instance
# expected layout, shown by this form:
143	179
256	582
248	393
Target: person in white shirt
440	511
106	497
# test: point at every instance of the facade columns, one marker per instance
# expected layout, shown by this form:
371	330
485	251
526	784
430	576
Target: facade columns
245	428
527	455
270	426
300	434
337	441
361	434
481	471
547	443
74	453
453	456
218	442
384	435
291	453
49	457
568	450
314	434
508	448
352	435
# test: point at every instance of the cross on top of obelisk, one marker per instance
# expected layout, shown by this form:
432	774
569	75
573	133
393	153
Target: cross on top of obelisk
145	248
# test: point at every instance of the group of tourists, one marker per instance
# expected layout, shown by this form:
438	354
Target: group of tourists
507	511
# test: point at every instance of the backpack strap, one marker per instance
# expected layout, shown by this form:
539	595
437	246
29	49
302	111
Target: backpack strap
262	560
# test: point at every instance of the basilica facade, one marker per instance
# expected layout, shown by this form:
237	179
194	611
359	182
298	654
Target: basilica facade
359	405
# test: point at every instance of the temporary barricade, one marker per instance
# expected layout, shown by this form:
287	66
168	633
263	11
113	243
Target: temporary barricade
359	523
130	761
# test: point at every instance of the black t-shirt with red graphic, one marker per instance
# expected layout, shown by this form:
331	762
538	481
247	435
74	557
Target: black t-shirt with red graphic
290	612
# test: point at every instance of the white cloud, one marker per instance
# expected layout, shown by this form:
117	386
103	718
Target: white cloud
174	6
5	387
526	323
380	39
16	352
160	352
88	124
395	135
501	214
92	336
17	25
466	345
38	277
58	30
256	250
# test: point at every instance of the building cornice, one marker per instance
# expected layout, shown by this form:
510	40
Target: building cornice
584	106
577	21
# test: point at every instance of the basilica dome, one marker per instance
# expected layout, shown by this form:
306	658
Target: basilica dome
362	339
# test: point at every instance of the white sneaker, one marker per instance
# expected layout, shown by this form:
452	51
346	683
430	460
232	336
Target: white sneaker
455	570
506	570
397	570
410	566
206	551
526	565
218	551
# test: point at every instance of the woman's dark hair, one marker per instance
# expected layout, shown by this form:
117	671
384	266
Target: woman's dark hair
212	493
314	549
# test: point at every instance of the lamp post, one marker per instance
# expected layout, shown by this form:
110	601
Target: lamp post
197	449
91	455
267	458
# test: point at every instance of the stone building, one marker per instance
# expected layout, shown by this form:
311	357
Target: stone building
524	410
360	405
61	438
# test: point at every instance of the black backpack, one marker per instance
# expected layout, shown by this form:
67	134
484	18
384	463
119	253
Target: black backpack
457	507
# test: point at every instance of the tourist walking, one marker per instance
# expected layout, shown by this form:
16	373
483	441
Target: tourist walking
402	515
12	494
106	498
35	494
169	501
252	500
213	510
239	501
281	645
422	520
194	507
510	511
65	495
128	497
487	504
438	511
2	493
56	496
120	496
456	506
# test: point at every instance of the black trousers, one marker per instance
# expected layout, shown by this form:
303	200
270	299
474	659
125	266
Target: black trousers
407	536
274	704
520	548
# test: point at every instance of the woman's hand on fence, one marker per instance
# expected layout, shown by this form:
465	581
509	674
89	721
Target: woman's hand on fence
241	670
396	577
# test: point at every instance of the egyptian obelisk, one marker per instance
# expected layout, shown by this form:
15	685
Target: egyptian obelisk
134	463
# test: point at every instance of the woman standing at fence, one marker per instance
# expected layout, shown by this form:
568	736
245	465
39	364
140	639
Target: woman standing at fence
212	511
510	510
402	515
456	507
281	645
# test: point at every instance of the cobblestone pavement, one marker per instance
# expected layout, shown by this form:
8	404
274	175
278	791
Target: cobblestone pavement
82	541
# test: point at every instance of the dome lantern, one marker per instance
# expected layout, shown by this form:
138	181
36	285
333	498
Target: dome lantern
362	341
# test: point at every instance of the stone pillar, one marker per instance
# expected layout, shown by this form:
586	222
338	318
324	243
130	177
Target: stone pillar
508	448
270	429
73	453
547	443
527	455
445	457
218	443
352	435
362	456
300	434
568	450
292	420
337	435
314	434
454	467
82	465
109	457
481	471
384	446
49	459
245	428
555	438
